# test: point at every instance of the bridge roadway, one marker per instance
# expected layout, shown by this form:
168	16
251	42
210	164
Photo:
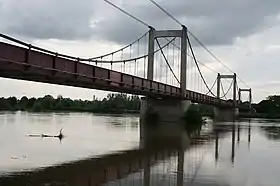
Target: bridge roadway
49	67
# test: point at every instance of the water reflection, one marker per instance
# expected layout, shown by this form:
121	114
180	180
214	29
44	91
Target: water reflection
207	161
142	166
123	122
249	133
221	130
87	135
238	133
217	146
95	171
272	132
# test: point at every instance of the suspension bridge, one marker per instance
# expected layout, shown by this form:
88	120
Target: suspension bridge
160	64
163	66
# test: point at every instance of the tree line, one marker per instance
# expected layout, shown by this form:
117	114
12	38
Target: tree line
118	103
268	108
113	103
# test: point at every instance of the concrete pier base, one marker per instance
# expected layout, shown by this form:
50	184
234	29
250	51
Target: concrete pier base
226	114
166	126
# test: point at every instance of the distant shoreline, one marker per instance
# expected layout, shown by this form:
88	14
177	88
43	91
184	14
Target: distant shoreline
258	115
113	103
116	103
81	111
242	115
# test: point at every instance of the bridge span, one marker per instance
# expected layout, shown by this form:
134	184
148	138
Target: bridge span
39	66
28	62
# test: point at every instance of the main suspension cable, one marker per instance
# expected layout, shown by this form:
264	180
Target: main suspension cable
212	86
204	81
203	64
167	60
121	49
128	14
225	93
181	24
132	59
162	9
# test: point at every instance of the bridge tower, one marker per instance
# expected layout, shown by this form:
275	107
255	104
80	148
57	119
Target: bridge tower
182	34
250	96
169	111
226	114
245	111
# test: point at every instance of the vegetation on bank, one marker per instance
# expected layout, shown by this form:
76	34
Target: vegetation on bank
271	131
268	108
113	103
120	103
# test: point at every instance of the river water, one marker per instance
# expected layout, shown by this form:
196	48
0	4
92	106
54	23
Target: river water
86	135
240	153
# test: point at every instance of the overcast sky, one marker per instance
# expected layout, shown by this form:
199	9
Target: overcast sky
243	34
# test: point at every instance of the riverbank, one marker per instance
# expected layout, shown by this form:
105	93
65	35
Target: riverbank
124	111
121	104
78	111
113	103
259	115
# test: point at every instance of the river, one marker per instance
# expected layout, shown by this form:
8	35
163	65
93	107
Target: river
240	153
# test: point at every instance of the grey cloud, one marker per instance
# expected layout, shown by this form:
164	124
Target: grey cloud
214	22
119	29
219	21
46	19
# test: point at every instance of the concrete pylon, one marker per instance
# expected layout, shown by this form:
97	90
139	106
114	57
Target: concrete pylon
151	48
233	77
161	122
249	90
234	89
226	114
218	85
169	111
182	34
183	77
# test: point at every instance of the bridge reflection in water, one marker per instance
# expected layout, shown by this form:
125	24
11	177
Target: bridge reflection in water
142	166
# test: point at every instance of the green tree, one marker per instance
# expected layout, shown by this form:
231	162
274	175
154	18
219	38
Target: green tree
112	103
12	101
23	103
37	107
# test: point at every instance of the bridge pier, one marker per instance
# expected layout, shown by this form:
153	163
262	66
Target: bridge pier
161	122
225	114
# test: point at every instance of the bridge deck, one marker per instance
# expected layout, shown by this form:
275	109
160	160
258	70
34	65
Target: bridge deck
28	64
